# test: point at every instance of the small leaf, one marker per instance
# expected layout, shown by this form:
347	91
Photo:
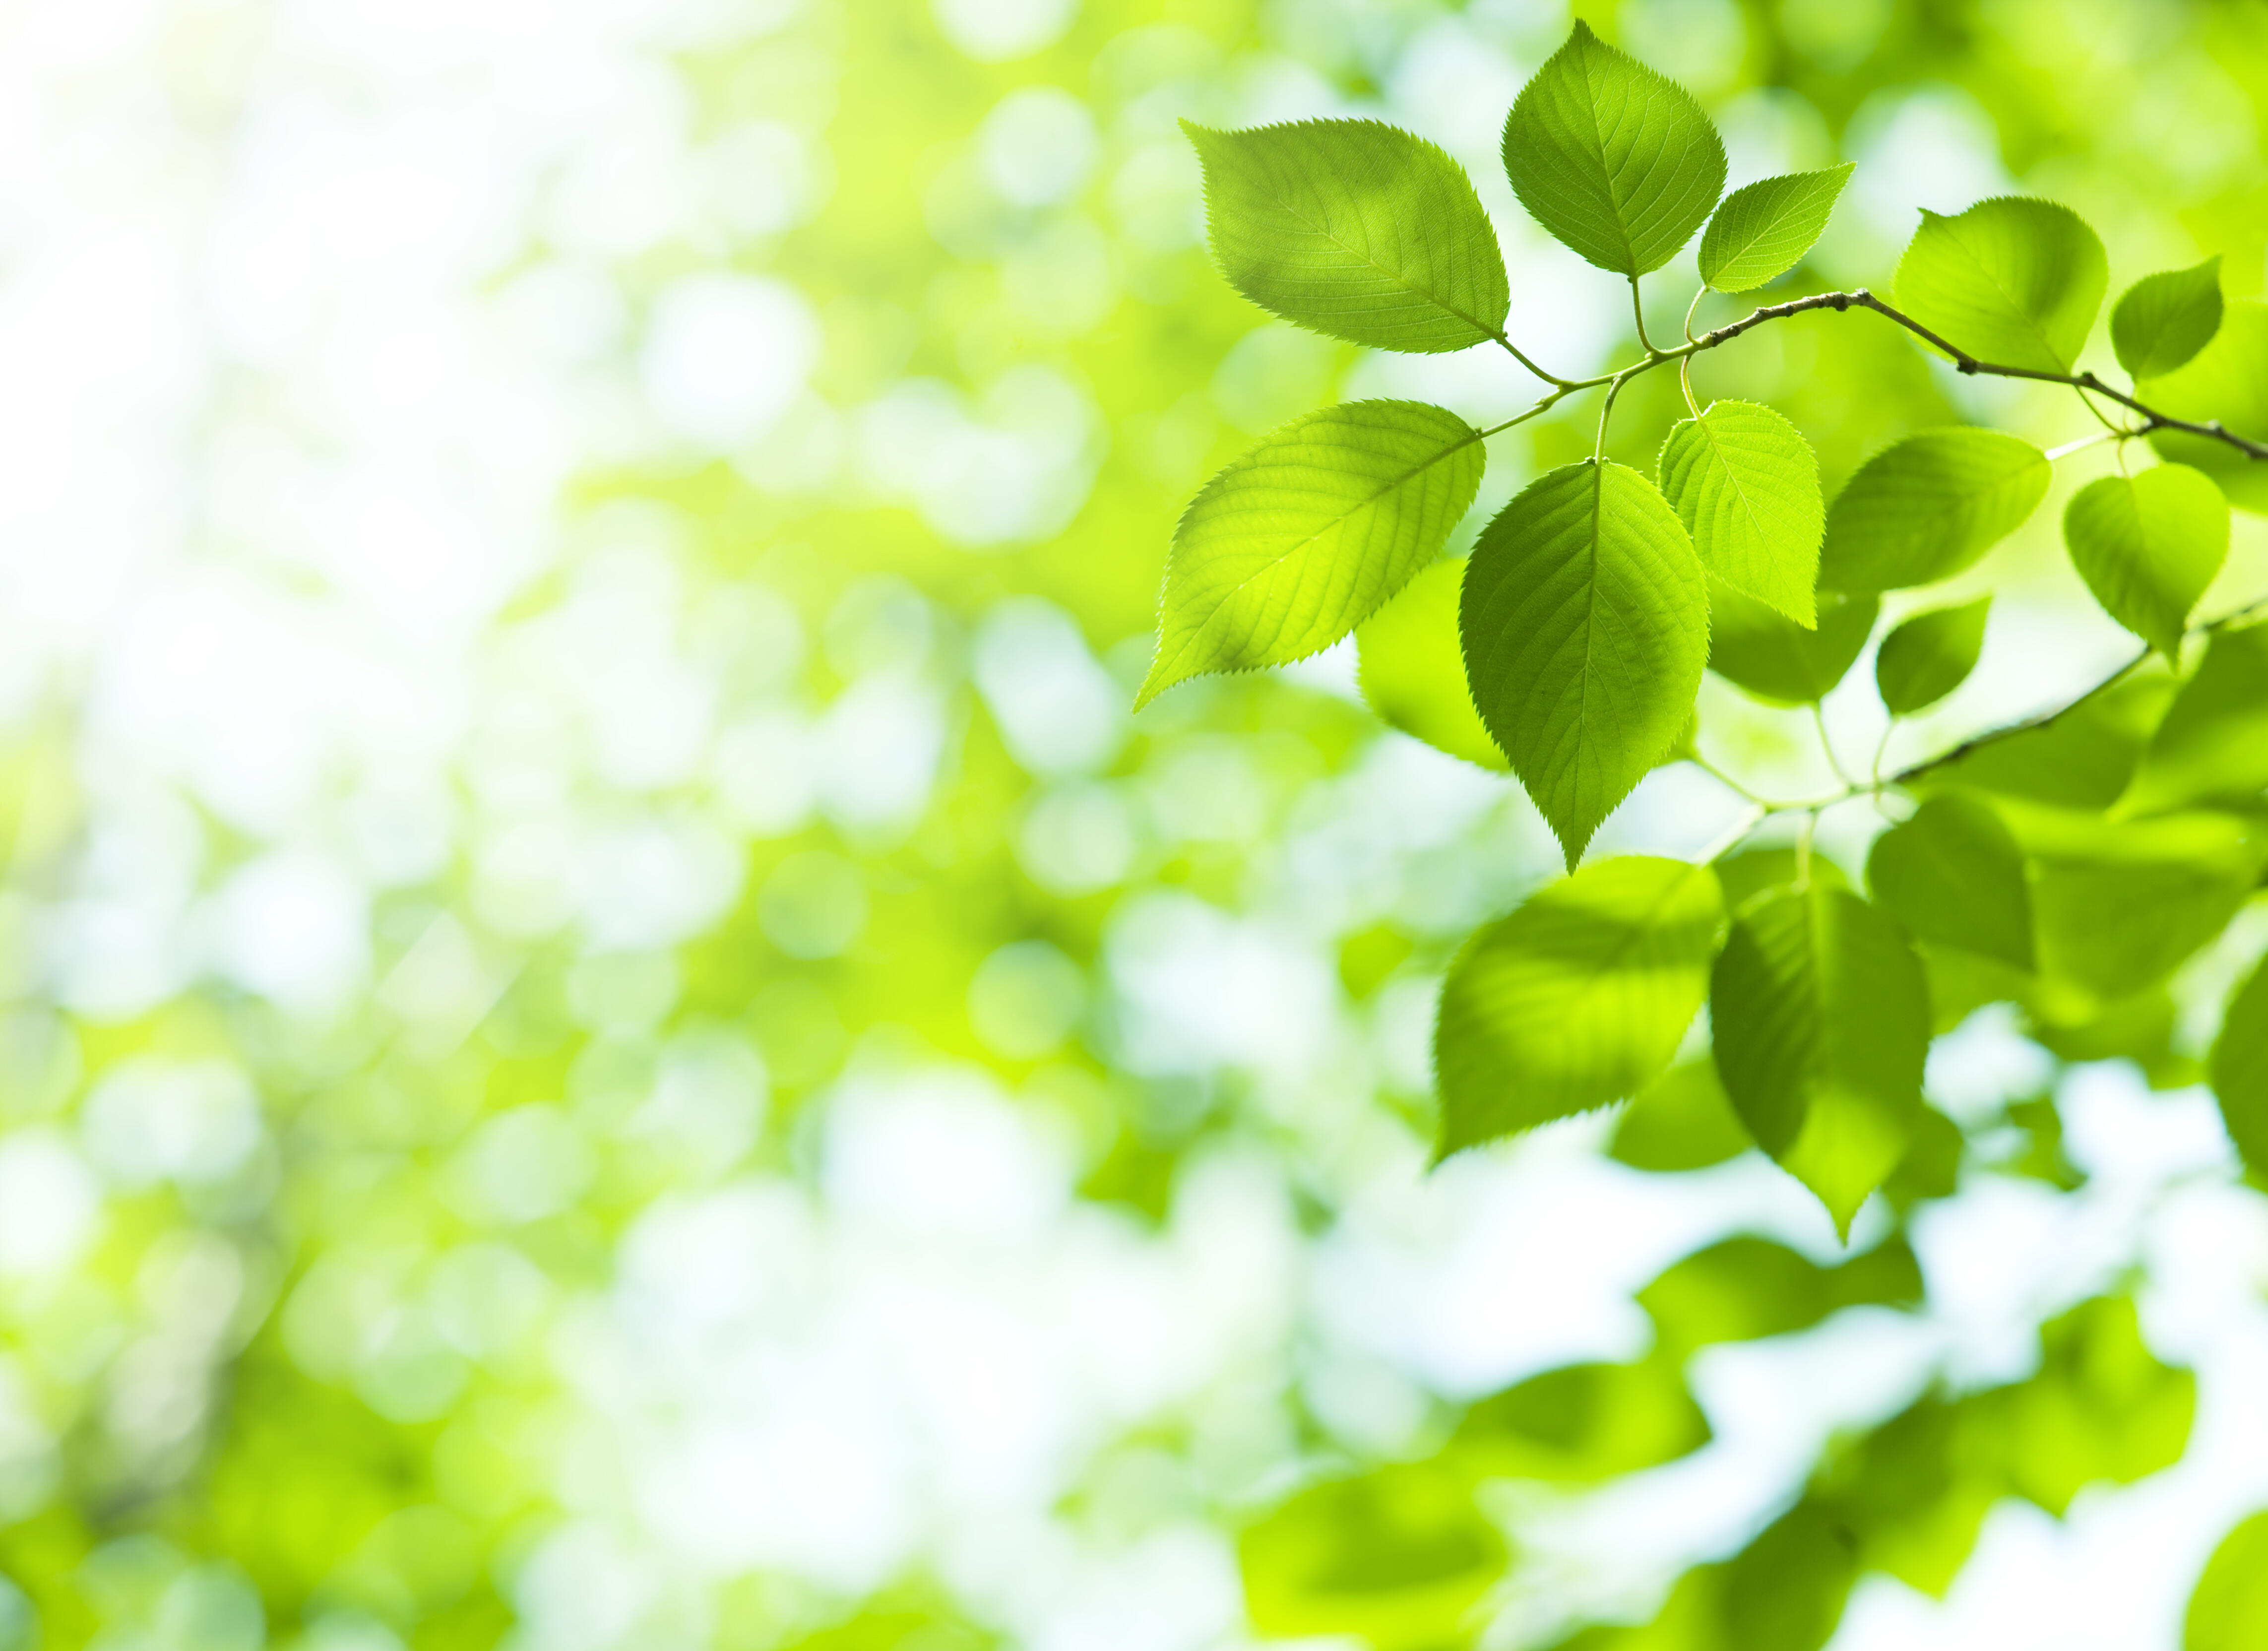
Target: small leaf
1618	162
2212	746
1954	875
1761	231
2231	1598
1680	1120
2147	546
2239	1069
1778	659
1305	536
1586	625
1929	655
1923	508
2013	281
2227	381
1412	670
1821	1023
2165	319
1578	998
1356	229
1746	484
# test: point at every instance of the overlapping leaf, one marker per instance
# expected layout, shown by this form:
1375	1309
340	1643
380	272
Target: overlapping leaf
2239	1068
2226	382
1928	506
2013	281
1778	659
2164	320
1954	875
2212	746
1412	669
1746	484
1762	230
1929	655
2148	545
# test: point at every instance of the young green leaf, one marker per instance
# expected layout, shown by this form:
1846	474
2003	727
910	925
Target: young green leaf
1618	162
2163	320
1578	998
1821	1023
2147	546
2212	746
1777	660
1761	231
2013	281
1954	875
1925	507
1356	229
1680	1120
2226	381
1746	484
2231	1598
1301	538
2081	758
1929	655
1586	624
2239	1068
1413	671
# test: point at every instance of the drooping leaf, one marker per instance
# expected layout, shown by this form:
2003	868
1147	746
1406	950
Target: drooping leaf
1356	229
1778	659
1746	484
1412	669
1929	655
1762	230
2148	545
1305	536
1953	874
2213	745
1821	1018
2163	320
2231	1599
2239	1068
1616	161
2014	281
1928	506
1586	625
2227	381
1578	998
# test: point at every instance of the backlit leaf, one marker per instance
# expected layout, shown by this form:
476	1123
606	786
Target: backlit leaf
1578	998
2013	281
2081	758
1618	162
2231	1599
1778	659
2213	745
2228	381
1681	1121
1586	625
1762	230
1412	667
2163	320
2239	1068
1305	536
1928	506
2148	545
1929	655
1953	874
1746	484
1355	229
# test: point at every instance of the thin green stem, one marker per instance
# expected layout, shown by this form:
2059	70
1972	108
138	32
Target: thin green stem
1819	721
1883	749
2085	442
1727	781
1521	357
1754	815
1691	309
1637	313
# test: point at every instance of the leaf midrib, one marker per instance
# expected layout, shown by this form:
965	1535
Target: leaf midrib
1394	275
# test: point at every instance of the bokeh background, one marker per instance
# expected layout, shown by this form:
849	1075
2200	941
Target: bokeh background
610	1036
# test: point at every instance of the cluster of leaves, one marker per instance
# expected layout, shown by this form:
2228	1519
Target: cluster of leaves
2069	865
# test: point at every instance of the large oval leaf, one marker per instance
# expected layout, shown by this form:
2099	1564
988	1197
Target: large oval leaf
1778	659
1746	484
1586	624
1618	162
2212	746
1928	506
1301	540
1578	998
1929	655
1356	229
2147	546
1821	1018
1762	230
1954	875
2239	1068
2228	381
2163	320
2013	281
1412	670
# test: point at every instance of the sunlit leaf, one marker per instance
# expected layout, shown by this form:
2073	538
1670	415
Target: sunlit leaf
2239	1068
2081	758
1412	667
2226	382
1762	230
1746	484
2213	745
1583	1423
1925	656
1305	536
2231	1599
1680	1120
1954	875
1927	507
1778	659
2013	281
2163	320
2148	545
1356	229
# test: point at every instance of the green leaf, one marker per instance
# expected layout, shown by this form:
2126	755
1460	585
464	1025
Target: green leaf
1928	506
2227	381
1578	998
1762	230
1304	537
1778	659
2148	545
1953	874
1929	655
1586	625
2165	319
1582	1423
2239	1069
1618	162
1746	484
2212	746
1680	1120
2081	758
2013	281
1356	229
1412	670
1822	1024
2231	1599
